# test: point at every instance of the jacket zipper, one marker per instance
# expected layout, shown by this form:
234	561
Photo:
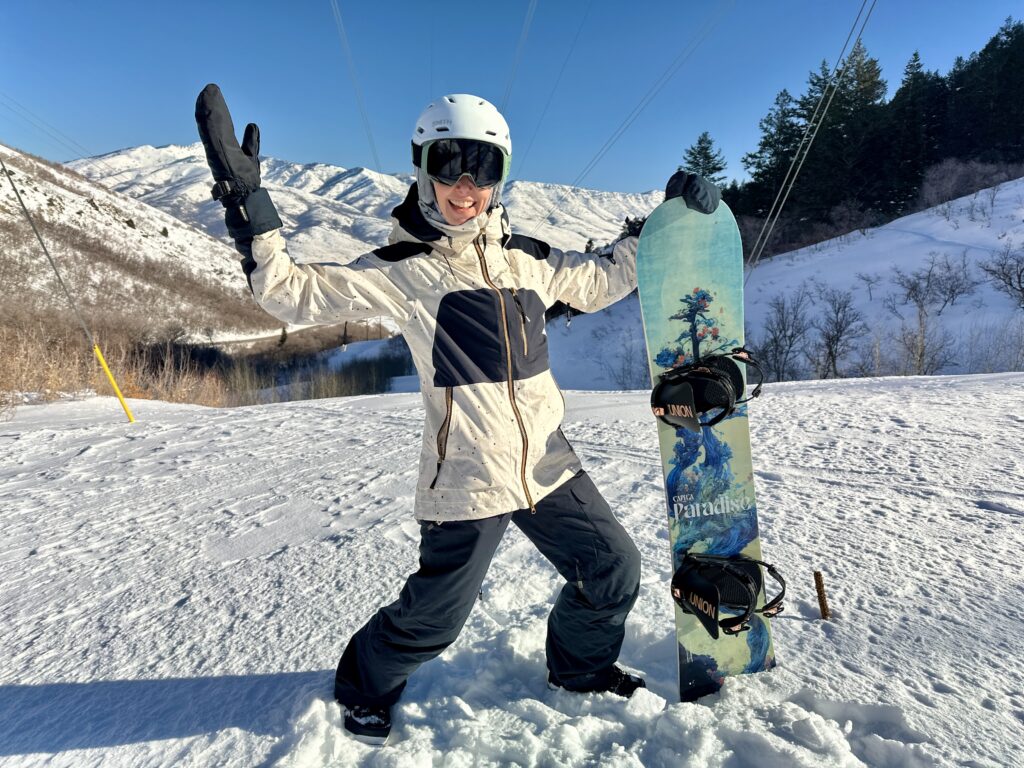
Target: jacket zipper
522	317
511	383
442	434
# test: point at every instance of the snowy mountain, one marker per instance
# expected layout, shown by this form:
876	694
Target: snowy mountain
335	213
116	254
164	604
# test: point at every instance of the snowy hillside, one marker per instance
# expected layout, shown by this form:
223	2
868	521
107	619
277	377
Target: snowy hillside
176	592
605	351
112	250
970	230
336	213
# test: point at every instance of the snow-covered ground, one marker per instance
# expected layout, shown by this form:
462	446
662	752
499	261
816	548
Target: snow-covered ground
176	592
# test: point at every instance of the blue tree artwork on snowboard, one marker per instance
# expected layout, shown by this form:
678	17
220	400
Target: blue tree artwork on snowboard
699	325
701	484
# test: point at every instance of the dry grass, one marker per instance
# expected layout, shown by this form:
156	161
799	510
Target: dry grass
47	357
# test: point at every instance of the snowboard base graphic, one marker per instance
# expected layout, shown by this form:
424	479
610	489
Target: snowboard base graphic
690	275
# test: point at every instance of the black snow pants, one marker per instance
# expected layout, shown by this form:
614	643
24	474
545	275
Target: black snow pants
573	528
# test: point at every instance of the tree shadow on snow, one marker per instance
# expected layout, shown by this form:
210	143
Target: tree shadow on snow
55	717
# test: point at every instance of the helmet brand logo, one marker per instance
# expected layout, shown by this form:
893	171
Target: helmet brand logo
436	123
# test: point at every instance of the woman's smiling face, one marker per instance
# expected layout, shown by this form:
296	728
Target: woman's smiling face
462	201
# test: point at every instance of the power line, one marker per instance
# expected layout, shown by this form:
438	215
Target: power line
551	95
653	91
519	52
67	292
59	137
355	82
810	133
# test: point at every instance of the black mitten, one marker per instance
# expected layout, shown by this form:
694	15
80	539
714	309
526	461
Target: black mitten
248	210
698	193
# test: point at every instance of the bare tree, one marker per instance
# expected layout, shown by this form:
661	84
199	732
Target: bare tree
840	325
938	284
785	328
927	348
623	355
955	280
992	347
953	178
870	281
1006	272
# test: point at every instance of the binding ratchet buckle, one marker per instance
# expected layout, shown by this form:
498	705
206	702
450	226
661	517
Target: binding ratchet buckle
686	393
705	584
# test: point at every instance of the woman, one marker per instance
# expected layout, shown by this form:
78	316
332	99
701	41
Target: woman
469	297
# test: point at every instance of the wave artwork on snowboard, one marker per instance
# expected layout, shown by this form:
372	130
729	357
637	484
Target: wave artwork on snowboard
709	483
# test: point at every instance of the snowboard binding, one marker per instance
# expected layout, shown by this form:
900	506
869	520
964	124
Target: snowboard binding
705	584
685	394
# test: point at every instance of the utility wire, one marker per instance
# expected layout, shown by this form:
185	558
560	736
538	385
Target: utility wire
77	150
653	91
53	264
71	300
355	81
809	129
554	88
519	52
810	133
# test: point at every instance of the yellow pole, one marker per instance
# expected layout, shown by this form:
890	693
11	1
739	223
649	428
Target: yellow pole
110	377
71	300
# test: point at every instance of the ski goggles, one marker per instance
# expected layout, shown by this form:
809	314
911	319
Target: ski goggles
448	160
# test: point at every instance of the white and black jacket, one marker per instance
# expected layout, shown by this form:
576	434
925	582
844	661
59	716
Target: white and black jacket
472	313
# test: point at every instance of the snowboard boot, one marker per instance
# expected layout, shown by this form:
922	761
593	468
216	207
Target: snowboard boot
616	680
370	725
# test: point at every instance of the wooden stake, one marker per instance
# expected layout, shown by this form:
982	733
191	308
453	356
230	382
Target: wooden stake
819	585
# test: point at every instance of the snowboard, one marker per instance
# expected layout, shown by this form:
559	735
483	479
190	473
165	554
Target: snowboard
690	275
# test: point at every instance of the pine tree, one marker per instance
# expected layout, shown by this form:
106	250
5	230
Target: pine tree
815	190
914	123
768	164
986	100
842	165
703	159
632	226
870	154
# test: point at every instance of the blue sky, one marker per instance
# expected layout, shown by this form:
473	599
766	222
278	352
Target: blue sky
120	74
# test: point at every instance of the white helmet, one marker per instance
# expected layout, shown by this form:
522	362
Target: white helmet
462	116
459	116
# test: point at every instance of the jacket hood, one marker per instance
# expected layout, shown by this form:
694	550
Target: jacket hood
411	225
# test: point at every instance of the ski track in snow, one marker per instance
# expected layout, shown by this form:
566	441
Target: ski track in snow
177	591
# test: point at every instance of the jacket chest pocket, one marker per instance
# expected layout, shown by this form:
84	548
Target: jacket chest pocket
469	344
473	328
